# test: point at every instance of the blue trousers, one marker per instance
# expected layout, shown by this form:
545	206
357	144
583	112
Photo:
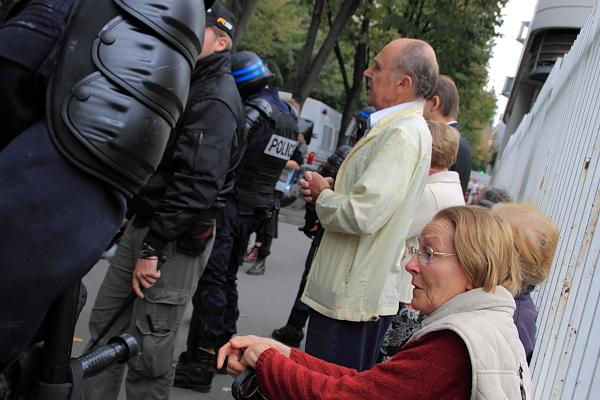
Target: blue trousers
55	221
347	343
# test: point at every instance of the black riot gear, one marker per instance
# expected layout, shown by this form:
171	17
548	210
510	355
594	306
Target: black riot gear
362	121
112	108
250	72
328	169
334	162
272	139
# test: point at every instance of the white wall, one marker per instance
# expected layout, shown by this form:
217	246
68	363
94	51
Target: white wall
552	161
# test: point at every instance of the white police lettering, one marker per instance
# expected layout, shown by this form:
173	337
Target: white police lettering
280	147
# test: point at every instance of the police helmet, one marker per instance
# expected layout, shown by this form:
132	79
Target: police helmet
362	120
250	72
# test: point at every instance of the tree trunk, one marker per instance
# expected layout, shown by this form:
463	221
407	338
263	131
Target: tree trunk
243	17
340	58
346	11
309	44
235	6
360	64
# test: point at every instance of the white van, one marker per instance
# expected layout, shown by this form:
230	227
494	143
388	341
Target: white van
327	122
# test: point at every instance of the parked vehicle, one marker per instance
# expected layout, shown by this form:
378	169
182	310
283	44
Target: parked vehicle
287	185
327	122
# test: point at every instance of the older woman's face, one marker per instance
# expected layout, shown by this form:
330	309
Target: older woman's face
442	278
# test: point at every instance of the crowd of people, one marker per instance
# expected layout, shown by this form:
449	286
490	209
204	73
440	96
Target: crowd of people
408	292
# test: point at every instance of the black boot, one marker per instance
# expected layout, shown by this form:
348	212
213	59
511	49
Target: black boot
195	371
289	335
258	268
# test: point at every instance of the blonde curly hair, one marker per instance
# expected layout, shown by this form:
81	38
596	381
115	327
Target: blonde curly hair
535	237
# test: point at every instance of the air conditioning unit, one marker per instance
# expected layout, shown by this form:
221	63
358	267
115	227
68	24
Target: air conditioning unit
547	47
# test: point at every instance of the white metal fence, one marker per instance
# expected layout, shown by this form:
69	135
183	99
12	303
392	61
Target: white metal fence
552	161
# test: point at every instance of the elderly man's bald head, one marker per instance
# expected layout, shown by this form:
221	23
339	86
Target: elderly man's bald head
417	59
404	70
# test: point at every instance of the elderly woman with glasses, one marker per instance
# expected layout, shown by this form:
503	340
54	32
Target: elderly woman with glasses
465	274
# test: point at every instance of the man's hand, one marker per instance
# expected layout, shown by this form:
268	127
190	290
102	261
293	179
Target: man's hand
145	274
312	185
291	164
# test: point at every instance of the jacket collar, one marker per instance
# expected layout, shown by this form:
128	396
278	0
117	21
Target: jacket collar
378	115
474	300
444	176
412	108
213	64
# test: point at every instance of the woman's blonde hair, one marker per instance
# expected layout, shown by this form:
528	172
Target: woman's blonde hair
444	144
535	238
484	246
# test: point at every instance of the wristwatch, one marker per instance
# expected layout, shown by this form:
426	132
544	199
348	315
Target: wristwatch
148	252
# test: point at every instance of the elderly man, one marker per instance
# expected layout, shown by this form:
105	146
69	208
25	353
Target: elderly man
443	106
354	286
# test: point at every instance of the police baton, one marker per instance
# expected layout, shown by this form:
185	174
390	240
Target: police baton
124	306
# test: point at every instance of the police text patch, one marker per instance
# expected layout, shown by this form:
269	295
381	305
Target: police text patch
280	147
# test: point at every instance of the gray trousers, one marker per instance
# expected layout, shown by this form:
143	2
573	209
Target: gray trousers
154	320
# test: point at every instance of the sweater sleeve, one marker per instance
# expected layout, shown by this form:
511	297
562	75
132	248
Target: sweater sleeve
433	367
318	365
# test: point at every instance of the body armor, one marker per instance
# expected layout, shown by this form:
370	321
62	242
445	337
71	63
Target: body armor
121	84
272	139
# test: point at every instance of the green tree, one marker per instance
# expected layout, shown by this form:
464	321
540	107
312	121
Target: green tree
276	32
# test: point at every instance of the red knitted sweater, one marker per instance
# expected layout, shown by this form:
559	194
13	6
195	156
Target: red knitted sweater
437	366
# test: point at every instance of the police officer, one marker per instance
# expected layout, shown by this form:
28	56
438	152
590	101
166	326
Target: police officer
272	133
68	163
167	243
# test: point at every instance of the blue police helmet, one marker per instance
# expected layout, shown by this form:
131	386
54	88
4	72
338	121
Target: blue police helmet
250	72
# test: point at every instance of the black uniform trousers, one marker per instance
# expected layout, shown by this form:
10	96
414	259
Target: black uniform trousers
300	311
215	302
266	229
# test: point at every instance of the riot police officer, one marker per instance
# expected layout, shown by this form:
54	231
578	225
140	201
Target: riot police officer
72	151
166	246
272	138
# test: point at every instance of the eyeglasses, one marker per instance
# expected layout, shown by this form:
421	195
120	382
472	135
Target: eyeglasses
425	254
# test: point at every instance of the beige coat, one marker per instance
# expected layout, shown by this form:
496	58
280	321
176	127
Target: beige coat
355	274
484	322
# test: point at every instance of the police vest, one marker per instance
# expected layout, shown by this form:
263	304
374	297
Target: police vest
121	84
272	139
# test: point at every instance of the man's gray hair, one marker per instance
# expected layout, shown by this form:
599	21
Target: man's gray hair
423	70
